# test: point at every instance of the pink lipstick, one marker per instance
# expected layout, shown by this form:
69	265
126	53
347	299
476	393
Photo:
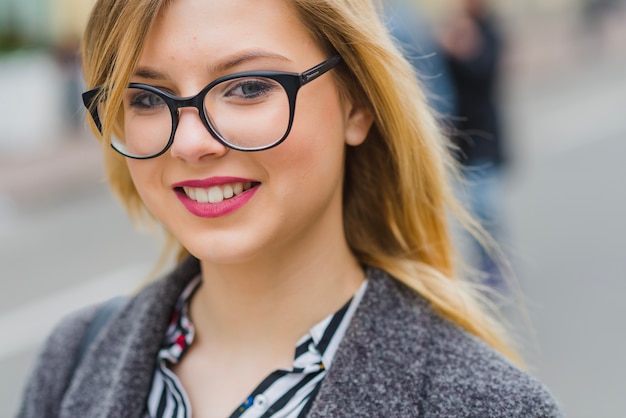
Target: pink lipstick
215	196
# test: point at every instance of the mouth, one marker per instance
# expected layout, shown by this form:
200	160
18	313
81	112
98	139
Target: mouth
218	193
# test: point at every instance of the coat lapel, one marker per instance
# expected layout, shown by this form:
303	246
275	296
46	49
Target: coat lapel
378	367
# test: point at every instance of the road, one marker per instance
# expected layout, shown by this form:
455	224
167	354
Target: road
565	201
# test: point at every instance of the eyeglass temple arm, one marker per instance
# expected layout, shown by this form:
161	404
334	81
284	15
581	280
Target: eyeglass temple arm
318	70
88	101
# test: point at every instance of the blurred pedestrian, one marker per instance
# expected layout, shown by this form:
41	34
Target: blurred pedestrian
66	53
315	226
473	51
410	25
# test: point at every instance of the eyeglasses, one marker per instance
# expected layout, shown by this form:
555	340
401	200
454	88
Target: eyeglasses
250	111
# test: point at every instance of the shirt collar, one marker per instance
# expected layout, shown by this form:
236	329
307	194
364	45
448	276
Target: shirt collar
316	348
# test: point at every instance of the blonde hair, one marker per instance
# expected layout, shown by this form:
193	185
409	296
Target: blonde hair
397	193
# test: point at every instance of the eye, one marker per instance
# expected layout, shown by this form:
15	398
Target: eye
251	88
144	100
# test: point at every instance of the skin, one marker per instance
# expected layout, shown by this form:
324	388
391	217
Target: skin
278	265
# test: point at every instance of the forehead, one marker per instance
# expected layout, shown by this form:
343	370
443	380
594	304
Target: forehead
203	32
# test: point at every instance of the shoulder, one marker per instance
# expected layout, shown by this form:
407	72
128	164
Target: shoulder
54	365
75	350
462	375
118	363
465	376
401	357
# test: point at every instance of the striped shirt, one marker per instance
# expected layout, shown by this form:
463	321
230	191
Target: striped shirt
284	393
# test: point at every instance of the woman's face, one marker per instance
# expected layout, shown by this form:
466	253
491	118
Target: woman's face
291	197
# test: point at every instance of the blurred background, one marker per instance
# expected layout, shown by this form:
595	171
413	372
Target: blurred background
561	94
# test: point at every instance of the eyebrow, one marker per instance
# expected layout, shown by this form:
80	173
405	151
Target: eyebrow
251	55
148	73
218	68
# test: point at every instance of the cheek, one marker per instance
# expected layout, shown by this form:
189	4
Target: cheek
313	144
319	123
311	158
145	175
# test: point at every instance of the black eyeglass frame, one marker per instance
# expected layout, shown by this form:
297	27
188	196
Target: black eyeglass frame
291	83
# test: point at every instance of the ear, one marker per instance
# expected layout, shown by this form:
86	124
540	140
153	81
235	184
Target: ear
359	120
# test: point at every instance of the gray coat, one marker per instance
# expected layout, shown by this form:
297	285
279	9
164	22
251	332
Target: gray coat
398	359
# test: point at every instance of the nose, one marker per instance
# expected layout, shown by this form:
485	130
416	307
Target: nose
192	140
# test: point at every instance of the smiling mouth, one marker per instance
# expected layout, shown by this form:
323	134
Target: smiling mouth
216	194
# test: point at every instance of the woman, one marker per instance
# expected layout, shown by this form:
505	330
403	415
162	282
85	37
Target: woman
315	225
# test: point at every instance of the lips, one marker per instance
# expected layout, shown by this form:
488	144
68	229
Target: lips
216	196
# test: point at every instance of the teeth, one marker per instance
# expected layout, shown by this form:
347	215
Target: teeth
216	194
228	192
190	192
202	196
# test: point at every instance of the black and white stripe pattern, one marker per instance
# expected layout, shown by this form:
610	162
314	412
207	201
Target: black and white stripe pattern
284	393
167	397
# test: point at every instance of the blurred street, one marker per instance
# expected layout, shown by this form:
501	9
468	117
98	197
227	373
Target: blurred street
65	242
566	203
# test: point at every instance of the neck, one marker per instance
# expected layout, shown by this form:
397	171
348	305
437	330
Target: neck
275	300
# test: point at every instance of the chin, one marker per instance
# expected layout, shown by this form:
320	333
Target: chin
222	252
